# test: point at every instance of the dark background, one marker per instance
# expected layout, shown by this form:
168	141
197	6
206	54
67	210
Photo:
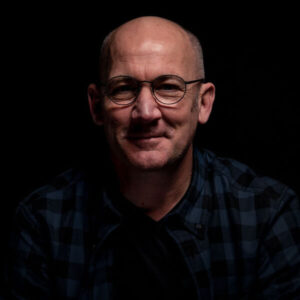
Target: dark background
50	56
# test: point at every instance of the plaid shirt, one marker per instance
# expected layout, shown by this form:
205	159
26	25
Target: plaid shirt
238	233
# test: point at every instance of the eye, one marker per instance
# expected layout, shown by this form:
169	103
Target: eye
167	87
121	89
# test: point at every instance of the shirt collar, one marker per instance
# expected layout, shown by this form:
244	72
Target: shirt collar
190	212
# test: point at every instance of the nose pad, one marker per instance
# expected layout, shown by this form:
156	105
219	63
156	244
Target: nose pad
146	108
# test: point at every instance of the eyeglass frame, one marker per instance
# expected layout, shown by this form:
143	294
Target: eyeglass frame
139	82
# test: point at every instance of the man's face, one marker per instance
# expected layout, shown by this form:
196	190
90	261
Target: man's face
146	135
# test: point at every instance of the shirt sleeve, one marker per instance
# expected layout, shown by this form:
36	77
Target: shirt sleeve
279	263
27	272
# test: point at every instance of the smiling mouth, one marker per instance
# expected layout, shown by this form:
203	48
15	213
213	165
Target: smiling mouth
146	137
145	141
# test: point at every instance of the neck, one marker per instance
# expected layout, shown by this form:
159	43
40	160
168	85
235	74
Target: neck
157	192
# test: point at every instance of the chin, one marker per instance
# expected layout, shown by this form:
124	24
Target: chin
148	160
149	156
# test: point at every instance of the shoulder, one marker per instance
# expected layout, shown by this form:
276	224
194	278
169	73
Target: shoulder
64	194
240	182
238	199
68	183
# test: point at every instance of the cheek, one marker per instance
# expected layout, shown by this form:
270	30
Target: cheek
116	119
182	119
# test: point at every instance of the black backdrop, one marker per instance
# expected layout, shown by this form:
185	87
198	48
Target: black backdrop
50	56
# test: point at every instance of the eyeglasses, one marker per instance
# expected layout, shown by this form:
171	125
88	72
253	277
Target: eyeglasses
166	89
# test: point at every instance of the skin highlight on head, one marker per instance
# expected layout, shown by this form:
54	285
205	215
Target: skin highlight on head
105	53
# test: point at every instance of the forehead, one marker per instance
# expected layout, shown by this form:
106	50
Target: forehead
152	47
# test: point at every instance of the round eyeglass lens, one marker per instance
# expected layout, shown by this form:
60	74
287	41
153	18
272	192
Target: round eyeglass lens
122	89
169	89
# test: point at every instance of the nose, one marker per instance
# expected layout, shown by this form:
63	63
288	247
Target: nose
146	109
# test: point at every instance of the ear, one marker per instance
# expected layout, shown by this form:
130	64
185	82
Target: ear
95	104
206	100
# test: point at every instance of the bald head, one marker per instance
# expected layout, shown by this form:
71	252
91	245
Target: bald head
150	34
154	28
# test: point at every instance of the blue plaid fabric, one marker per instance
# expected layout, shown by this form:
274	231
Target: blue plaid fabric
238	233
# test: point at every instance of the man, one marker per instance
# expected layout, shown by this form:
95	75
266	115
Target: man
156	218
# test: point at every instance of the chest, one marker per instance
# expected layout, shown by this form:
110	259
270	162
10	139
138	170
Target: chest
204	263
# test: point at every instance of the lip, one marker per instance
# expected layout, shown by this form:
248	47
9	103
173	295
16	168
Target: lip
143	137
145	141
